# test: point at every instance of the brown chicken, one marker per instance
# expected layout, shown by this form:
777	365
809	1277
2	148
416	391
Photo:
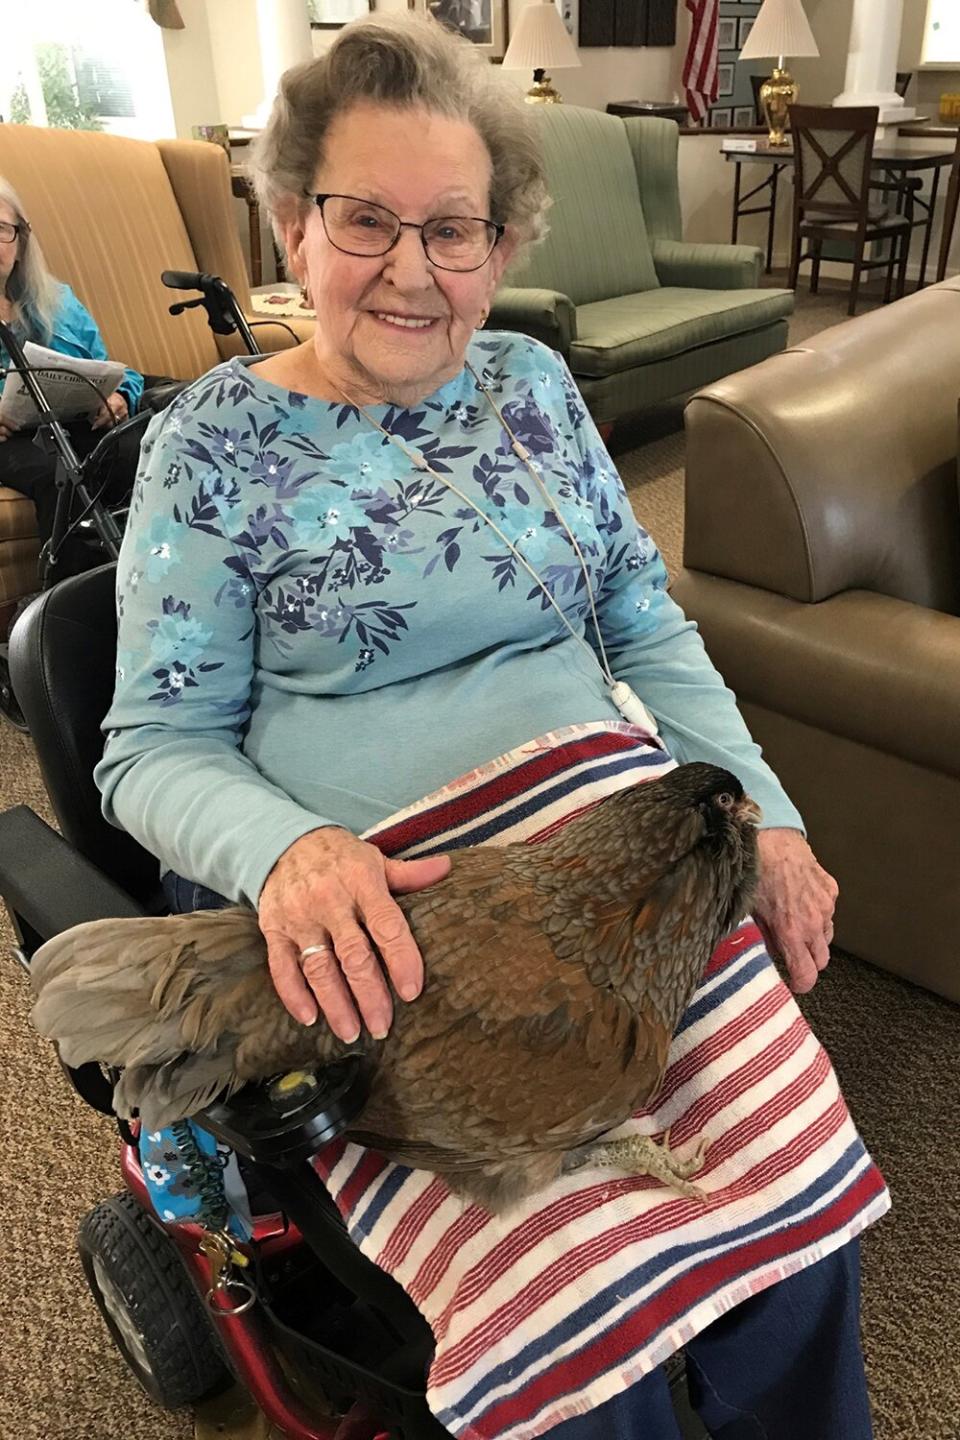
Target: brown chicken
556	975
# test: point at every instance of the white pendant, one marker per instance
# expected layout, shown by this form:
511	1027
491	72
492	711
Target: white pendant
632	708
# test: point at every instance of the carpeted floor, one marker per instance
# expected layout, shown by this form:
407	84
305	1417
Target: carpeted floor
894	1046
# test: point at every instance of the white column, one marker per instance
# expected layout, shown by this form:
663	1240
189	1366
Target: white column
285	40
872	59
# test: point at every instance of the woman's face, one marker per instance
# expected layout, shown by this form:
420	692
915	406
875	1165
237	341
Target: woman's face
422	166
9	249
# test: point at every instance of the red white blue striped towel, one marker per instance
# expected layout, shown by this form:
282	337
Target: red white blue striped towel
578	1292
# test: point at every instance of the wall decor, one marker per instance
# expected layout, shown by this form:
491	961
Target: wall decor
734	102
332	14
483	22
628	22
727	33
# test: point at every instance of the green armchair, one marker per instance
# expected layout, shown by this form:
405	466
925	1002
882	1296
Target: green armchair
639	314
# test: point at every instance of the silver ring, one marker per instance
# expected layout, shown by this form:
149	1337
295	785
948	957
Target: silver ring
316	950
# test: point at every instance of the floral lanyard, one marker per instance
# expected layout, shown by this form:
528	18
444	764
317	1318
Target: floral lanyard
629	704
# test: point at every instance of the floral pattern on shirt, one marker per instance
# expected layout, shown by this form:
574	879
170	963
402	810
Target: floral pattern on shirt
322	529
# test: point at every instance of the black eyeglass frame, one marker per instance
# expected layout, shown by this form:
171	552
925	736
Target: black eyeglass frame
19	227
498	229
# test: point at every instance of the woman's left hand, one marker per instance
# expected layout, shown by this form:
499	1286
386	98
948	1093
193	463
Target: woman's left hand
111	412
794	905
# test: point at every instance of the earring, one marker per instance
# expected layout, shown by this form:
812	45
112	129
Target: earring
484	316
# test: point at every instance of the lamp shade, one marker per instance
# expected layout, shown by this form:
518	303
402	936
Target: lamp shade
540	41
781	28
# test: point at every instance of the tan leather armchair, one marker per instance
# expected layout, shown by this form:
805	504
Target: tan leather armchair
111	214
822	562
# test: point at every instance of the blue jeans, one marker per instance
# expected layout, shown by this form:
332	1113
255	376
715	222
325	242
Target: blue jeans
784	1365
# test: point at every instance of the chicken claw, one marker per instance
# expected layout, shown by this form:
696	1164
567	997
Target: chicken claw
641	1155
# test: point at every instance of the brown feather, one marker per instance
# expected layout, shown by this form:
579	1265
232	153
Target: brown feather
556	975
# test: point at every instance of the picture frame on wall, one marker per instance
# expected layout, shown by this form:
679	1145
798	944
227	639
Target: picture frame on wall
744	117
744	27
483	22
725	79
721	117
334	14
727	33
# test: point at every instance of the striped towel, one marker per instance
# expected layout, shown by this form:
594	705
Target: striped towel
576	1293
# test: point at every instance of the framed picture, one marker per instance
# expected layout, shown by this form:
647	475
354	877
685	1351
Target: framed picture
743	117
332	14
725	74
721	118
484	22
727	33
745	26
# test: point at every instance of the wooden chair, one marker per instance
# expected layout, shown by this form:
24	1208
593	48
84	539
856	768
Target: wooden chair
950	212
833	155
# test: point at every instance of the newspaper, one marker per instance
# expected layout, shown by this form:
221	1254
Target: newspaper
68	396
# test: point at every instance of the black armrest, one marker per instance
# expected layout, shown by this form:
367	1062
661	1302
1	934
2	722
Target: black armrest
157	396
48	884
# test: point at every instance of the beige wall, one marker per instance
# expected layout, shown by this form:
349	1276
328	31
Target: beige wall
215	75
611	74
822	80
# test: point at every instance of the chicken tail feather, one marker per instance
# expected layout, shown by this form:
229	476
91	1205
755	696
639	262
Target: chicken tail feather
144	992
164	1094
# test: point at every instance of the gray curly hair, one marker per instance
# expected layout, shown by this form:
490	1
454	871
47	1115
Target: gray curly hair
404	61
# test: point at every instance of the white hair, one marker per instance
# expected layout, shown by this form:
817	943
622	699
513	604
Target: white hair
30	288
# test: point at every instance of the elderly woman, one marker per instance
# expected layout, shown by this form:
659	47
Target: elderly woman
388	584
39	308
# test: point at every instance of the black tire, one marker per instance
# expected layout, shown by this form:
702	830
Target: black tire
157	1319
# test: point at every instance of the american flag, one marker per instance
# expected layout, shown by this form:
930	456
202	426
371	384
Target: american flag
700	66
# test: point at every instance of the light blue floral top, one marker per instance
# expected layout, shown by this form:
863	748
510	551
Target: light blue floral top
314	630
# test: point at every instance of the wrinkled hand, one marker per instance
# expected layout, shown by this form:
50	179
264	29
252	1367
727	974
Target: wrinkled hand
331	890
8	428
111	412
794	905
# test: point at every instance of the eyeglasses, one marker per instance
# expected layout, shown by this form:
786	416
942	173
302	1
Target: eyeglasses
9	232
452	242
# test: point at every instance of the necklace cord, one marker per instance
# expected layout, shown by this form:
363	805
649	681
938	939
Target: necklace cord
421	462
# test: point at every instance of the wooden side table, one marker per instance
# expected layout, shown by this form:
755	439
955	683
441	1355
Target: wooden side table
242	187
663	109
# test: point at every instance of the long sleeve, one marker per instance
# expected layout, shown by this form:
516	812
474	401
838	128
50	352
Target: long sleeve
173	774
650	643
76	333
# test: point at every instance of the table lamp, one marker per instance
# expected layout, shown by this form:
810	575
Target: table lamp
780	29
540	42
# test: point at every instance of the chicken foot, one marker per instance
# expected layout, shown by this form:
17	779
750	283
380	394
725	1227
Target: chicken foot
641	1155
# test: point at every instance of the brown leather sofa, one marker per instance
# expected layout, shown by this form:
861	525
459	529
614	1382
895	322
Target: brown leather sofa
111	214
822	562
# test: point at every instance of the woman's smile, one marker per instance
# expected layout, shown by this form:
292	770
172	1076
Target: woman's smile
405	322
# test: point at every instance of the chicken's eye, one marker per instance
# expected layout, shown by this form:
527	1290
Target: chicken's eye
725	800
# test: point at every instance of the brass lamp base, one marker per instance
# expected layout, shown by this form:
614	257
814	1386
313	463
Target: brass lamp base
542	92
776	94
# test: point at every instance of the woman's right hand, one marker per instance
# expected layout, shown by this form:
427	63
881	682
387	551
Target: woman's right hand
330	893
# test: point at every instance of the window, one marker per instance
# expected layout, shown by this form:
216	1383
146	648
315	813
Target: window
85	65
